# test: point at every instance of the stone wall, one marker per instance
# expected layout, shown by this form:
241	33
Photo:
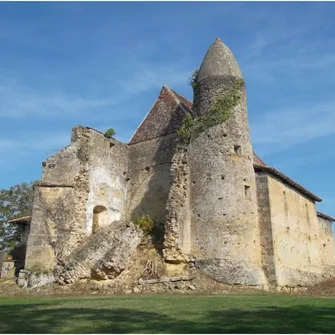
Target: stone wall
225	228
104	255
266	232
87	176
291	234
326	242
7	270
150	176
108	167
177	238
51	225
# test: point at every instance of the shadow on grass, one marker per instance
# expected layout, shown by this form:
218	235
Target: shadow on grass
44	318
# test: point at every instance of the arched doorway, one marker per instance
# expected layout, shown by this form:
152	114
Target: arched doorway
99	218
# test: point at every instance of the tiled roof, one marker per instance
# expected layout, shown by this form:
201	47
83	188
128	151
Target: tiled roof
258	161
286	180
324	216
165	116
183	100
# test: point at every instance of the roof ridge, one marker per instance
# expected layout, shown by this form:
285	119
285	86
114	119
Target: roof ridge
150	109
174	94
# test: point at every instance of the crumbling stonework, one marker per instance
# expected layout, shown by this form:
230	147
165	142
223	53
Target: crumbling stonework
219	210
83	180
7	270
177	238
104	255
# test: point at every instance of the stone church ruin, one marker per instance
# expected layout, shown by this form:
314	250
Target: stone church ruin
217	208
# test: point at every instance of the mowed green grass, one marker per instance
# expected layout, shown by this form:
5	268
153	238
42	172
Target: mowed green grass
257	313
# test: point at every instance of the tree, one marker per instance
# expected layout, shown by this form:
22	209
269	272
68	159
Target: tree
15	202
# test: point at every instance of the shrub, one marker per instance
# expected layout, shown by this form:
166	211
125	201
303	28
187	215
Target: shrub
146	223
110	133
193	78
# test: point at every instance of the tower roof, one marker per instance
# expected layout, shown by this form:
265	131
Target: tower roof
219	61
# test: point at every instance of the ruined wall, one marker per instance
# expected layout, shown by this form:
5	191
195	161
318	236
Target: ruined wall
177	238
150	176
107	177
49	236
87	174
296	235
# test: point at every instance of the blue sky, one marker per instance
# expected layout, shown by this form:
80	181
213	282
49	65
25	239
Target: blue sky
103	64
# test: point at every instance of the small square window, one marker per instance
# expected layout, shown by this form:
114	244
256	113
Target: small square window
237	150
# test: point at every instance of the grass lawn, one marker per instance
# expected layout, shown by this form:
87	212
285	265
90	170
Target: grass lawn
257	313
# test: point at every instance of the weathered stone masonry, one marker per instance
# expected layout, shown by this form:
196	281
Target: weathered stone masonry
216	204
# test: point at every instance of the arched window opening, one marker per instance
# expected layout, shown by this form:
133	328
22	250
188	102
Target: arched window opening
99	218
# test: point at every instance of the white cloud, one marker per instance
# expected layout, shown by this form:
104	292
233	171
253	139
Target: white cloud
18	100
285	128
10	149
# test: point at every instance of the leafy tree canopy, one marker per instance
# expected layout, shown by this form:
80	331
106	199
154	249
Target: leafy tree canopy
15	202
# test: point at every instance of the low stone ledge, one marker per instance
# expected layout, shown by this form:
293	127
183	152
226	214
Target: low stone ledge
165	280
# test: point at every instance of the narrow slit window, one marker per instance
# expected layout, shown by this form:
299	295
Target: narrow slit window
247	191
285	205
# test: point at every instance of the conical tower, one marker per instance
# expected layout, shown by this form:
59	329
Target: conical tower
224	216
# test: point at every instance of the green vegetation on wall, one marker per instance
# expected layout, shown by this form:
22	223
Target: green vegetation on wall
146	223
193	79
219	112
110	133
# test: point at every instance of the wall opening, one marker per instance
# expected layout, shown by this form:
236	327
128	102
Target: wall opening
99	218
285	205
238	150
247	191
